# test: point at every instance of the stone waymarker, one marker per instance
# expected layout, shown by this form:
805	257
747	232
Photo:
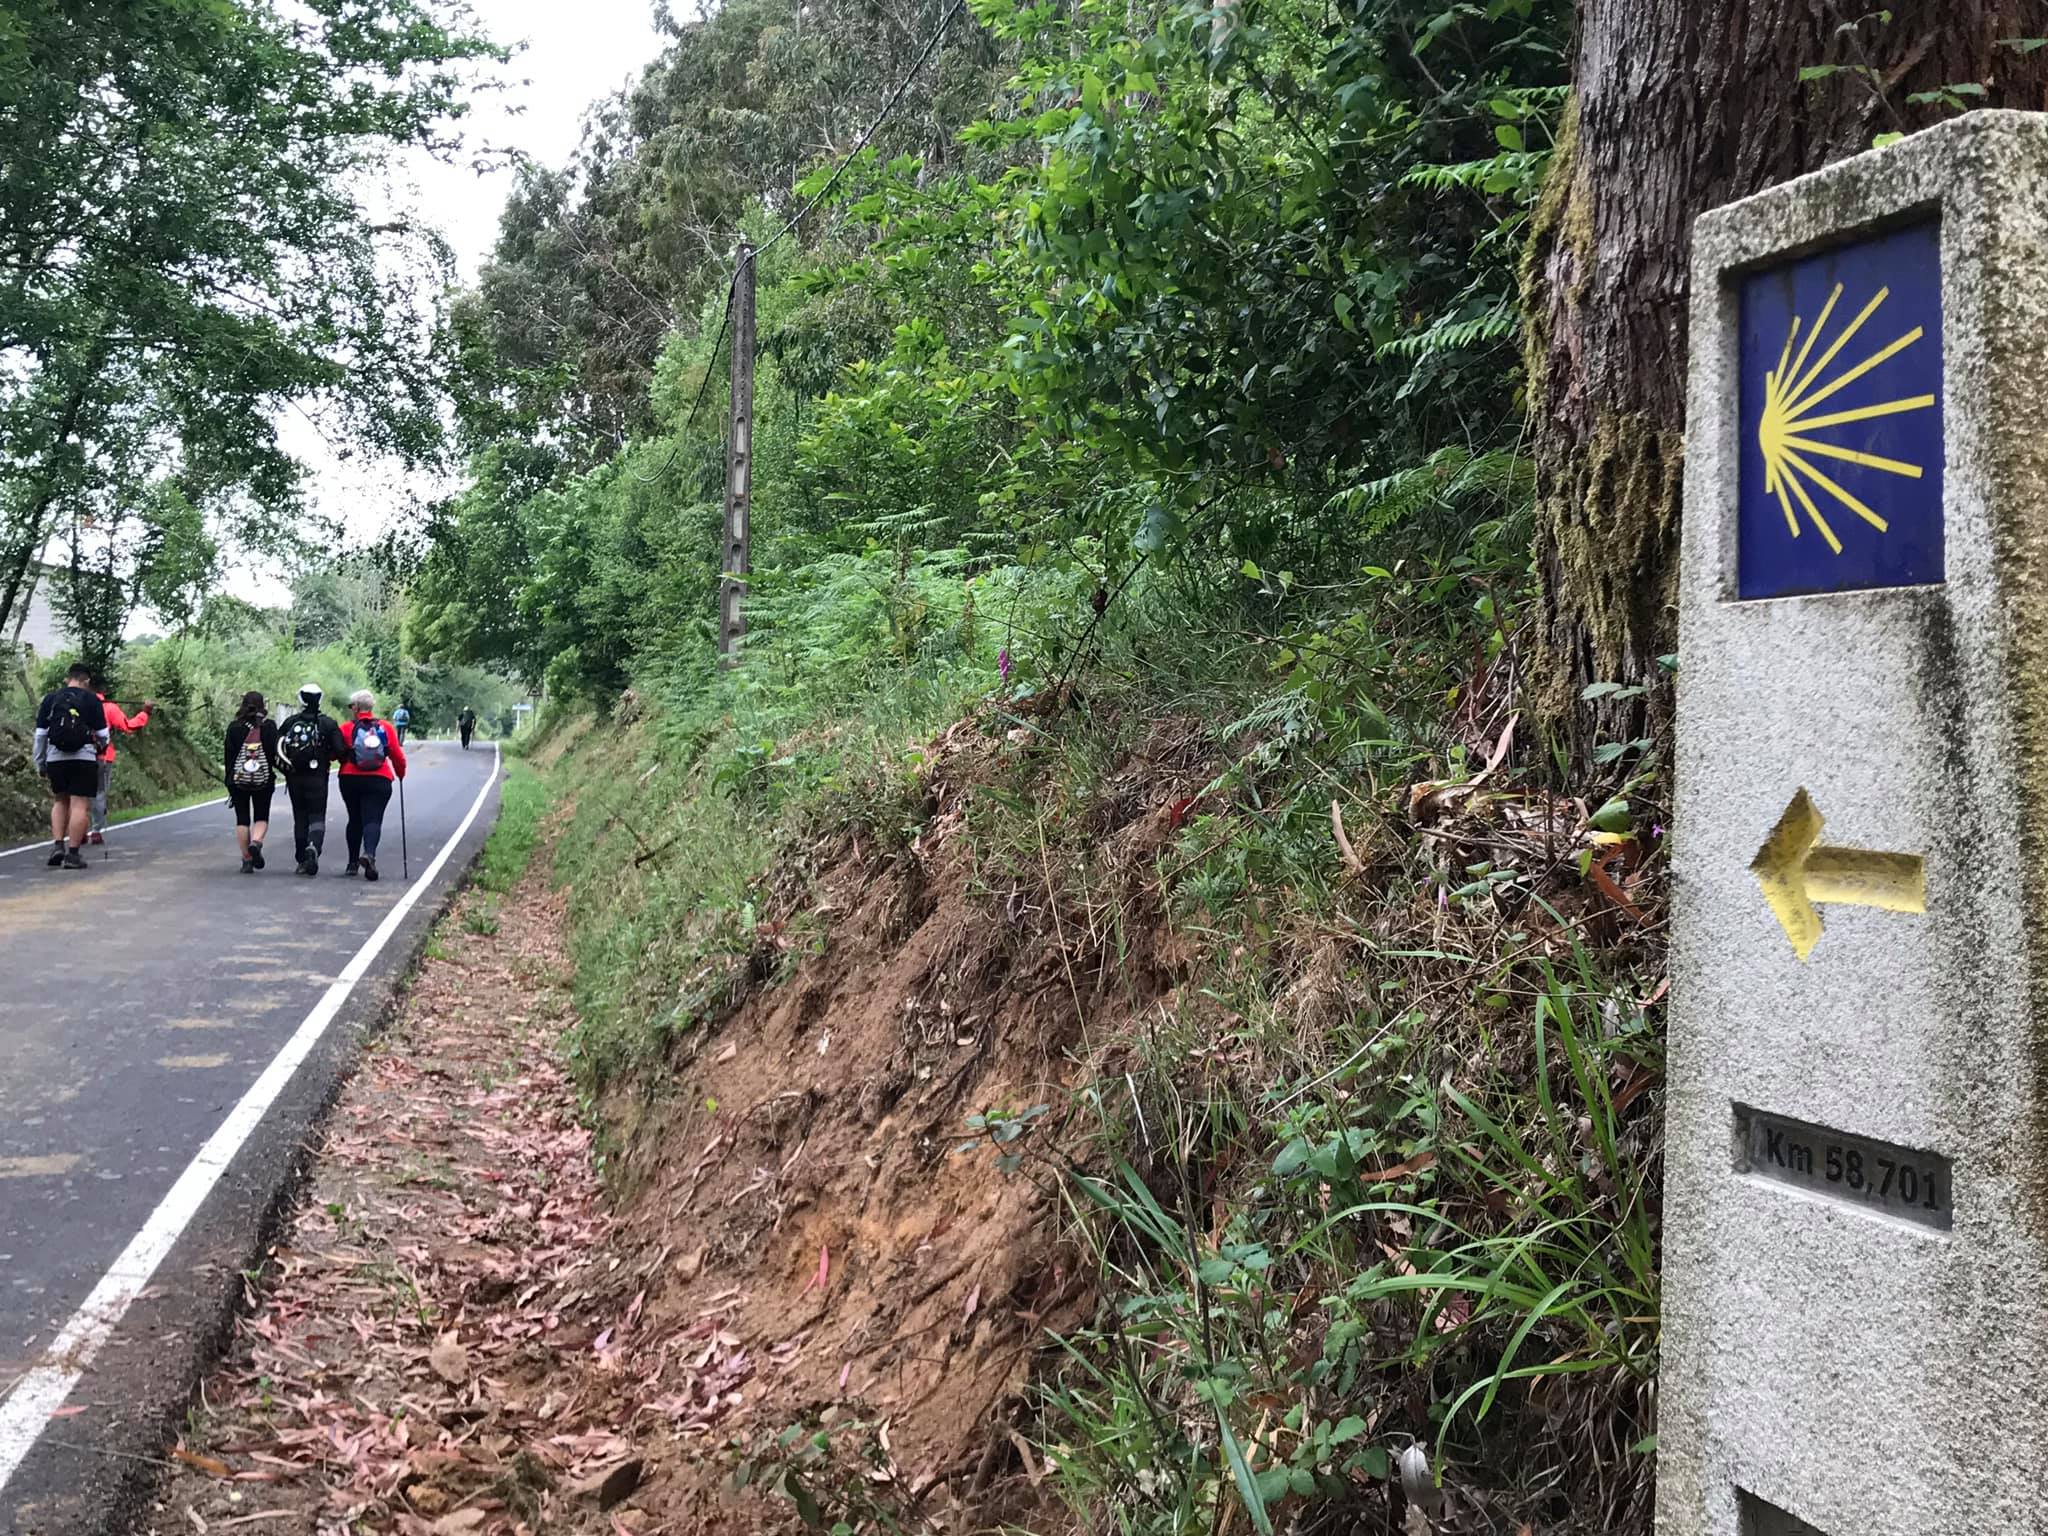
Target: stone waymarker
1856	1199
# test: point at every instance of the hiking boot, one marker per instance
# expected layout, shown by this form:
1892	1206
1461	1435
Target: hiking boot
95	839
353	866
309	864
248	865
369	868
56	854
256	854
73	859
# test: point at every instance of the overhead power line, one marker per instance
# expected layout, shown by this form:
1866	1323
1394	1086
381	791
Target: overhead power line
862	143
889	106
710	370
711	365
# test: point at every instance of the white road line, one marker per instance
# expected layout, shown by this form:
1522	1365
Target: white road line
8	853
27	1410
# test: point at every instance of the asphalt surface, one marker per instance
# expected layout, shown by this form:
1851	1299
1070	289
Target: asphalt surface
139	1000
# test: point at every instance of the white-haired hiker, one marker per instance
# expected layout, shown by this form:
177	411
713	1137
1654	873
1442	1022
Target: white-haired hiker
373	758
309	744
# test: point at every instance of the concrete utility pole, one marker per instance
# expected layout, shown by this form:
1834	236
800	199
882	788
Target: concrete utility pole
739	467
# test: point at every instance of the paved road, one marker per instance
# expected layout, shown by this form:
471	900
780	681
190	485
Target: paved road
139	1001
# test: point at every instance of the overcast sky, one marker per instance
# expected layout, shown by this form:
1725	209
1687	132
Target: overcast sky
576	50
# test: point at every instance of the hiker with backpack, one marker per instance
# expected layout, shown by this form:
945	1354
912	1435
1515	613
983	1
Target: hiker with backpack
466	723
309	744
71	733
120	720
251	771
375	757
401	717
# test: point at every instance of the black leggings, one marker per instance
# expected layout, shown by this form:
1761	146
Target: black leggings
308	794
365	795
252	803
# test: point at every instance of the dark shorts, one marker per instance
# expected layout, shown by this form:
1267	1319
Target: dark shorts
80	779
251	804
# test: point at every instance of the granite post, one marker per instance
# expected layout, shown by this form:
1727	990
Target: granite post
1856	1197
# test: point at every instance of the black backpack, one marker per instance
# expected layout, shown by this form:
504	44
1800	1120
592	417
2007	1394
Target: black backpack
298	743
67	728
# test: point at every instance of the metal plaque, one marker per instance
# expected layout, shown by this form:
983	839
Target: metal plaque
1913	1186
1762	1519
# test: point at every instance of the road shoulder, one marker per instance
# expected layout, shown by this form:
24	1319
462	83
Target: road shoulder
442	1274
101	1456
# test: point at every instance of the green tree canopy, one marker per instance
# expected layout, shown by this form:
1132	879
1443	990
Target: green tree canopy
184	250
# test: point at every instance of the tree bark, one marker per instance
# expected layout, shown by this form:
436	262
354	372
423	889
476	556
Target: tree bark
1680	106
33	527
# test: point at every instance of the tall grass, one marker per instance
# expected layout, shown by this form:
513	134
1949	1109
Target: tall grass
1479	1226
1371	1206
522	805
706	781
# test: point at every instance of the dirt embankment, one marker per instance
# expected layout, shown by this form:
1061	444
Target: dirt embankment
811	1172
806	1244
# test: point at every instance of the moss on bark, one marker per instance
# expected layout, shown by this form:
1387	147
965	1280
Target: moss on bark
1679	107
1608	481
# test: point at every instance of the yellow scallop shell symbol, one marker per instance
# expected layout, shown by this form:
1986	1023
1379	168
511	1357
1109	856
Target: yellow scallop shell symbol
1792	391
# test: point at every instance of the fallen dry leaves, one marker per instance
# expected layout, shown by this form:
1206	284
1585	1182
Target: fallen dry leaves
460	1337
448	1344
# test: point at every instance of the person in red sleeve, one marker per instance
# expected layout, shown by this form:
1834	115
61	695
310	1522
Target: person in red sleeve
118	720
374	757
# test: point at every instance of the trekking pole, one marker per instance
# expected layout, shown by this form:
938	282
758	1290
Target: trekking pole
404	854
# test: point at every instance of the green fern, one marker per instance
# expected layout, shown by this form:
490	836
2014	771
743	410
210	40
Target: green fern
1515	171
1445	478
1450	334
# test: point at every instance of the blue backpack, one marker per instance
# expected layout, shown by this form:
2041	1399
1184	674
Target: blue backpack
367	746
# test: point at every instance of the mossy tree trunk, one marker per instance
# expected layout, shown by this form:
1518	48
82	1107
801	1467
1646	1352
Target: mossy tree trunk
1680	106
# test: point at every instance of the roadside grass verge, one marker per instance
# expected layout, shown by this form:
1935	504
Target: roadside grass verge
702	786
668	857
522	803
159	807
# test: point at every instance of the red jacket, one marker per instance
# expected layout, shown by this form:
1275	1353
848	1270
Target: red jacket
117	720
394	754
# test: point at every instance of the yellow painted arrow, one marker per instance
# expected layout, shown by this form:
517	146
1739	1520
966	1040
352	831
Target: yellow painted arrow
1796	872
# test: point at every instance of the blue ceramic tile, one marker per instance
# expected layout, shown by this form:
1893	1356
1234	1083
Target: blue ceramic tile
1841	463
